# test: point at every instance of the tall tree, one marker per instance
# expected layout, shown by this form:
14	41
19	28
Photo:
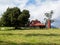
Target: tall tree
14	17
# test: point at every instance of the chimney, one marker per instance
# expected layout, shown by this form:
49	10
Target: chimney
49	23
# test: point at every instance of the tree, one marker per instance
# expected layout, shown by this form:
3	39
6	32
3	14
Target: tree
10	16
24	17
49	15
14	17
48	19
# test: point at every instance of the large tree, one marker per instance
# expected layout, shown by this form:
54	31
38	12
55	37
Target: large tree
9	17
24	17
14	17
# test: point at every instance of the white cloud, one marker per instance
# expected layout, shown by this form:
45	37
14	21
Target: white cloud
4	4
38	11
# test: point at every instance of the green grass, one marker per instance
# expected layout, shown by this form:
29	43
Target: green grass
30	37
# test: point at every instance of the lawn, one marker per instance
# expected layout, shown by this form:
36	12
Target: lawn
30	37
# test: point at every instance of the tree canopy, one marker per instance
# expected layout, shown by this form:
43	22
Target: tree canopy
15	17
49	15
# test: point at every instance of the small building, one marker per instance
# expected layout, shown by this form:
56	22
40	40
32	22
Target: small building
36	23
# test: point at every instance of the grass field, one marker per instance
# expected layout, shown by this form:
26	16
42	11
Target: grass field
30	37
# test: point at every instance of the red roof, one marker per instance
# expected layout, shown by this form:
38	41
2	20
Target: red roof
36	23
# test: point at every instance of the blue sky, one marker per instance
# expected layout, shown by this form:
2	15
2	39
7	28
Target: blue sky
31	2
37	8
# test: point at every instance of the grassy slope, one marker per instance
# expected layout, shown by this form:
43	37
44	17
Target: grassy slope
30	37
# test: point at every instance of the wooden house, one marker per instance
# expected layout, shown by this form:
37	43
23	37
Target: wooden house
36	23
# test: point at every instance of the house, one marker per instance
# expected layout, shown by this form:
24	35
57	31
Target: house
36	23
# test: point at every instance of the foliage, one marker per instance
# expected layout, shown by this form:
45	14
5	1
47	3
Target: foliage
9	17
14	17
24	17
49	15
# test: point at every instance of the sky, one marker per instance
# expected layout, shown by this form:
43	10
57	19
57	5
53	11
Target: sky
37	8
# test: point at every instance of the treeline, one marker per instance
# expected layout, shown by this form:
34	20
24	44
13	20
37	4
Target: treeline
14	17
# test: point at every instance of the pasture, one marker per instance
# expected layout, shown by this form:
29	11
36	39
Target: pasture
30	37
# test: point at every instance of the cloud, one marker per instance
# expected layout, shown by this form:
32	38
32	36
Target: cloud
4	4
39	10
